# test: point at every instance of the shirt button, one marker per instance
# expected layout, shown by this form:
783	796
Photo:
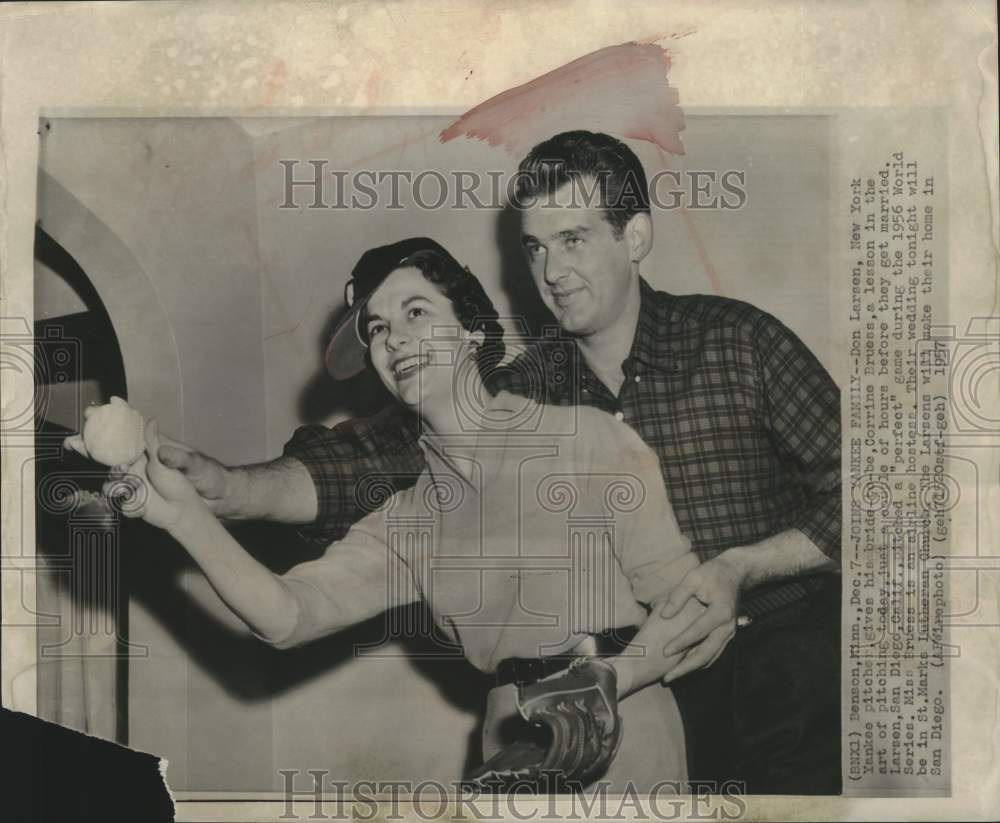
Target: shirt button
637	379
619	415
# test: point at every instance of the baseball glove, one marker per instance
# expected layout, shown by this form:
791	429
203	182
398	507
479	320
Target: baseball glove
576	715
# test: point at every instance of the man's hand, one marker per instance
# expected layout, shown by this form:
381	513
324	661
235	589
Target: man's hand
207	475
160	495
716	584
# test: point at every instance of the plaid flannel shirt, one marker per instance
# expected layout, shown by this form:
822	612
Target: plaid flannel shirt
745	421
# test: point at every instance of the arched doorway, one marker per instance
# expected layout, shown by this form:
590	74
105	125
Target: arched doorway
82	651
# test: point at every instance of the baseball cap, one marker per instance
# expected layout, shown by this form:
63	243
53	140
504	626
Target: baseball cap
345	353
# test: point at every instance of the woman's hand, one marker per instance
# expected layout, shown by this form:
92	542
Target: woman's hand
158	494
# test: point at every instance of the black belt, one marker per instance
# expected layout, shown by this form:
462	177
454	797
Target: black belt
523	671
756	603
770	597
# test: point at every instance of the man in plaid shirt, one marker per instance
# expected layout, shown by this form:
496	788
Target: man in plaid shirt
746	423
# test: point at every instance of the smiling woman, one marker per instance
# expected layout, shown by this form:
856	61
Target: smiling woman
346	354
422	322
414	342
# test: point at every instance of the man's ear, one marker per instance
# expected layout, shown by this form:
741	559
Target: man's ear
639	235
477	338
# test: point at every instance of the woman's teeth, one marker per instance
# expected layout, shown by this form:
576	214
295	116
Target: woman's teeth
407	367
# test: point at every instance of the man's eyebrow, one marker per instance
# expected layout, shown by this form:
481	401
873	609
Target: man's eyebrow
559	235
527	239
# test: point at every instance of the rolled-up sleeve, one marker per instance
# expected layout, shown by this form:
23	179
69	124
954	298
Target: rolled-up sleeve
803	414
357	578
354	467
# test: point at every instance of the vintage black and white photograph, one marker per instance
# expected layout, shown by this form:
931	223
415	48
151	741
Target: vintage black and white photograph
585	448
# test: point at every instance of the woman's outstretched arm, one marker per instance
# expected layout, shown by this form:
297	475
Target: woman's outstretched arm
356	579
258	596
168	499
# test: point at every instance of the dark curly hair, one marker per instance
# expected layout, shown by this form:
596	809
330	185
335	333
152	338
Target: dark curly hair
573	155
469	300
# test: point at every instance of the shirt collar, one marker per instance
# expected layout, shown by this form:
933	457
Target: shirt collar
652	344
658	345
